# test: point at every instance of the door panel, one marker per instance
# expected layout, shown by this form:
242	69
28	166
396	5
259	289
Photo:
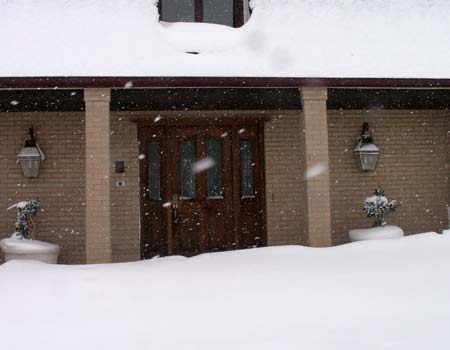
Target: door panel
185	194
219	191
153	187
250	188
203	193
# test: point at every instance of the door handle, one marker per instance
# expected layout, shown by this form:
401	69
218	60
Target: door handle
175	206
175	201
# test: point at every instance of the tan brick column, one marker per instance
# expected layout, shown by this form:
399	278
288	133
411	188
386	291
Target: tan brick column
98	159
317	177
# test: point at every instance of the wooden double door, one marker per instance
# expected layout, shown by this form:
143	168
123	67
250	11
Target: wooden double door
201	189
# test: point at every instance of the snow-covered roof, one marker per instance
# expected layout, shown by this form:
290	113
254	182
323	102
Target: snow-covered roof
283	38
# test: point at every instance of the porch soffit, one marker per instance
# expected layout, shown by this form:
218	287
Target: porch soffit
181	99
74	82
221	99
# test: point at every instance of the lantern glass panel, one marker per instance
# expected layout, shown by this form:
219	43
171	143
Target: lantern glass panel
30	160
368	161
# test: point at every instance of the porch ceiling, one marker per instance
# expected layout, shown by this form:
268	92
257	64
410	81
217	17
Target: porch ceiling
205	99
154	99
183	99
388	99
118	82
41	100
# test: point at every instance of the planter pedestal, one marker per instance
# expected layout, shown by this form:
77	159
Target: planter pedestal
27	249
373	233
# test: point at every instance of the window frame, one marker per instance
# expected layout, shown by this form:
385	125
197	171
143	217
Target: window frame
238	12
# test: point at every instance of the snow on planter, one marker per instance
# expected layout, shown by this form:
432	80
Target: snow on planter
381	232
21	245
28	249
377	207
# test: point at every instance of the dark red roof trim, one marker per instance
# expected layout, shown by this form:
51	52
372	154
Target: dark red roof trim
214	82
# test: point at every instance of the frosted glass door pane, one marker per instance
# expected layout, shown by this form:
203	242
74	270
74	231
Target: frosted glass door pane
178	10
247	168
218	11
187	173
214	173
154	169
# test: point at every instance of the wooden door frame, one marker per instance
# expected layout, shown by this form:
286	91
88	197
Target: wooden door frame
233	122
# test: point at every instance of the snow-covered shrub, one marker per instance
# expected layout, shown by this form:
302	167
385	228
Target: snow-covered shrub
377	206
24	222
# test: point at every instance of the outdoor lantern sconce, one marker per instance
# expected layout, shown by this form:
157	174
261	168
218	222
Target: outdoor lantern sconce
366	151
30	156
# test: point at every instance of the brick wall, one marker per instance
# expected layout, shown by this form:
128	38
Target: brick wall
125	200
60	186
61	182
285	185
412	168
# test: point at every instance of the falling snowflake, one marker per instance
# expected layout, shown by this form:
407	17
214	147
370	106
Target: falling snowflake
14	102
203	164
128	85
141	156
315	170
157	119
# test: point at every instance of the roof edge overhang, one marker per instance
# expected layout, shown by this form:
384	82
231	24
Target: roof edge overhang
118	82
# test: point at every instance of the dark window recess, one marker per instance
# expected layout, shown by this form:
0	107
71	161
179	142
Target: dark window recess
226	12
154	171
247	169
187	171
177	10
218	11
214	173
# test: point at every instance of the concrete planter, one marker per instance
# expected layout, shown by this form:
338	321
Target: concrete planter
374	233
27	249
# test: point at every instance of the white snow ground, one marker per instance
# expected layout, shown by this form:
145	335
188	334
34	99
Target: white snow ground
390	294
283	38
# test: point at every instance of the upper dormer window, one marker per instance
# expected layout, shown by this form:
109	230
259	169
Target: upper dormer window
232	13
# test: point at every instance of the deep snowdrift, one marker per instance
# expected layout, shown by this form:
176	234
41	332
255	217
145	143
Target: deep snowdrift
391	294
286	38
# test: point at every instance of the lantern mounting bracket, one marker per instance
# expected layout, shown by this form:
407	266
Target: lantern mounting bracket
31	142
